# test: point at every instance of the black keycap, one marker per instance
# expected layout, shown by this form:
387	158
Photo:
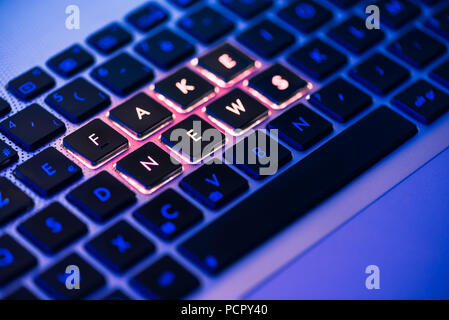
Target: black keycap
78	100
14	259
110	38
148	168
317	59
184	90
344	3
258	155
165	49
236	111
52	228
214	184
340	100
95	143
278	86
315	178
417	48
266	38
183	3
439	22
305	15
120	247
226	65
423	101
193	139
168	215
165	279
206	25
21	294
122	74
8	155
140	116
13	201
101	197
147	16
354	36
30	84
5	108
379	74
70	61
117	294
54	280
48	172
32	127
441	73
300	127
247	9
396	13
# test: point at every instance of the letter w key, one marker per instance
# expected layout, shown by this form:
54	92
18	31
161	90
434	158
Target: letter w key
236	107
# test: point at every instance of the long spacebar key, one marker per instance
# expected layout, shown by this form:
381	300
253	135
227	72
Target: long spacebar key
298	189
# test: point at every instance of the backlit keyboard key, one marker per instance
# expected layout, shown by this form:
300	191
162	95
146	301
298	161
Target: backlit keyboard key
168	215
31	84
206	25
110	38
78	100
274	206
5	107
225	65
417	48
300	127
441	73
148	168
8	155
439	22
53	280
70	61
379	74
140	116
147	16
214	184
317	59
183	3
278	86
247	9
193	139
258	155
13	201
354	36
14	259
48	172
95	143
101	197
122	74
396	13
266	38
236	111
165	49
52	228
184	90
344	3
120	247
305	15
423	101
340	100
32	127
165	279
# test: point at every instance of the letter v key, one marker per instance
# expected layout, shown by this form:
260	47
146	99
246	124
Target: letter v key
214	181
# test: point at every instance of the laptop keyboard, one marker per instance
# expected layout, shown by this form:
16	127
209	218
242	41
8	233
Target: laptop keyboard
124	201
